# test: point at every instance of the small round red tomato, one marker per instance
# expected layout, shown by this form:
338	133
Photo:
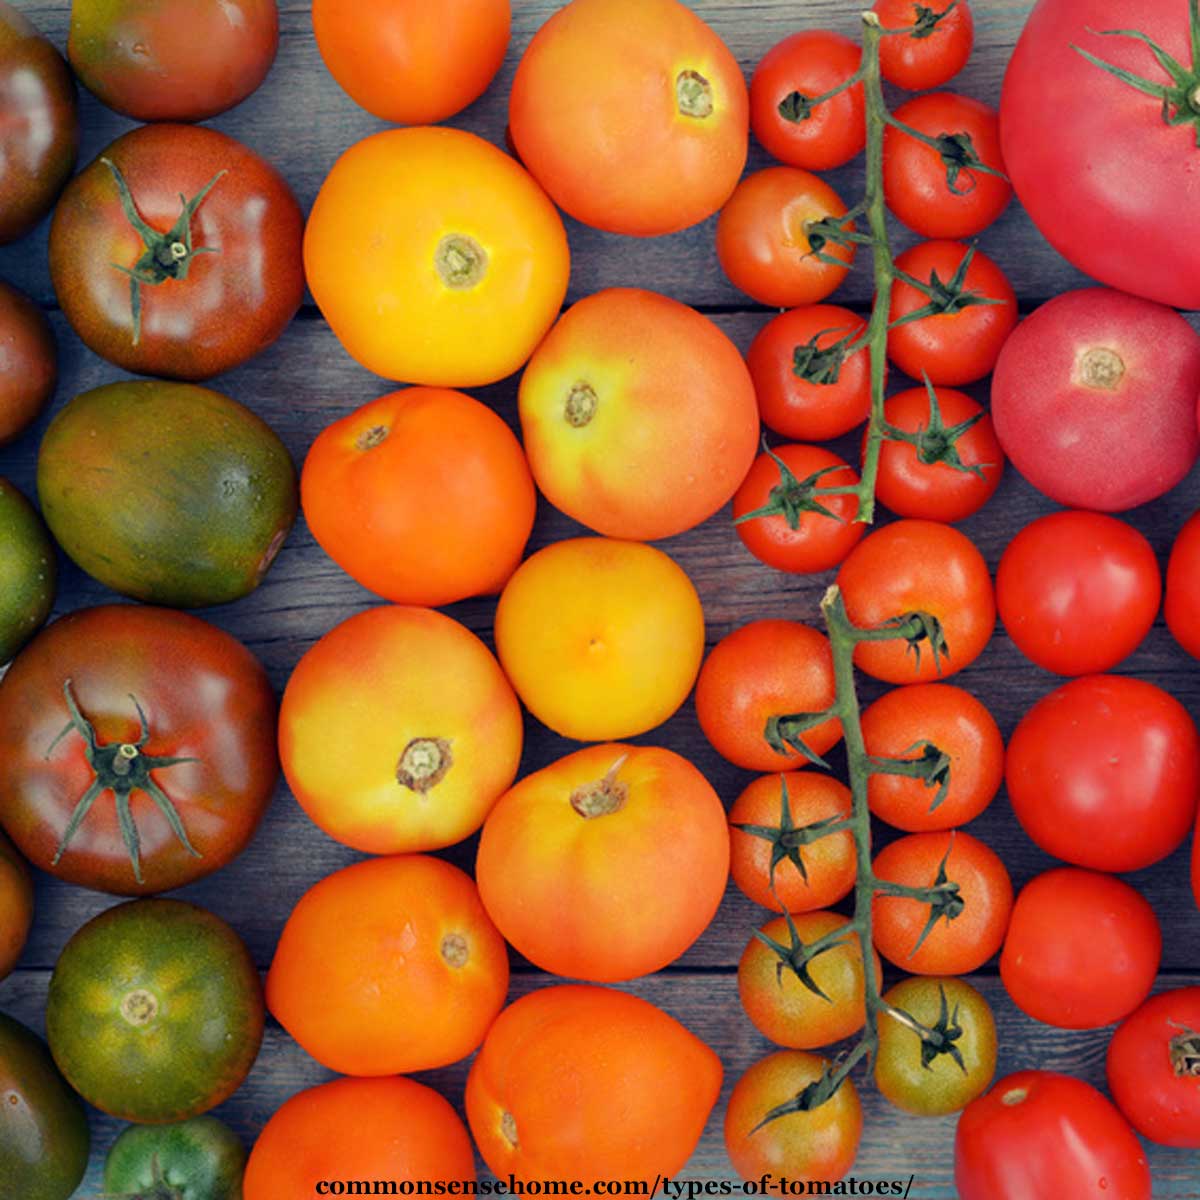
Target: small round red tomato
950	190
775	514
968	929
960	341
919	567
1043	1136
807	388
1082	949
1078	591
760	672
1152	1066
1104	772
790	75
767	238
919	478
763	816
937	47
1182	607
957	726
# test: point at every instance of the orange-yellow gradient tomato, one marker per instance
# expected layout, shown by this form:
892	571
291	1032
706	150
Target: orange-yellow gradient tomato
398	731
389	966
632	114
639	415
602	639
423	496
412	62
606	865
435	258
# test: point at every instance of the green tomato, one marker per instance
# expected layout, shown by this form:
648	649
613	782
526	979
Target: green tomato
28	571
200	1159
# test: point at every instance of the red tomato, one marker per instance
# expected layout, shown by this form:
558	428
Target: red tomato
791	74
1038	1135
938	192
919	567
936	50
1152	1066
1082	949
1182	608
765	232
798	407
1104	773
1078	591
919	480
958	343
791	537
1094	399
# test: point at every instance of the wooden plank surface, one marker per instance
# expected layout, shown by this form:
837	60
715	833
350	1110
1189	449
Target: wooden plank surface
301	120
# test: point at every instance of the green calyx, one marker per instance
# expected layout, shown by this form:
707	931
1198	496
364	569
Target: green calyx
1184	1051
937	442
943	296
939	1039
931	766
792	497
819	364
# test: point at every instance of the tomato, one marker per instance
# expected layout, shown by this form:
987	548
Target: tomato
188	61
1182	607
28	571
1082	949
957	942
412	970
411	63
784	1007
30	361
602	639
1078	591
956	189
1104	772
428	731
632	114
435	258
958	726
392	1128
1094	399
910	1075
621	375
816	1146
919	567
959	342
200	1159
1041	1136
626	846
788	534
759	821
41	124
16	906
192	267
155	1011
937	48
766	234
764	670
183	764
794	72
798	407
919	480
560	1062
424	496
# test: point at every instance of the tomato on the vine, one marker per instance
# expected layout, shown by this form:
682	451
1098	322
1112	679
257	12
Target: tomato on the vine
937	47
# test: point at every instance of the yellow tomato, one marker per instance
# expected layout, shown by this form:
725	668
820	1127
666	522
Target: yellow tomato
601	638
435	257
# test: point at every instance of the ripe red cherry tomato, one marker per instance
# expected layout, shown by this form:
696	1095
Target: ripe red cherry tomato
936	192
936	50
1182	608
797	70
1082	949
1078	591
1038	1135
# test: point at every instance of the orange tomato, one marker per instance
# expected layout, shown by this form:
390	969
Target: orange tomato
602	639
632	114
587	1083
435	258
409	61
606	865
622	375
395	1129
829	863
423	496
398	731
389	966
